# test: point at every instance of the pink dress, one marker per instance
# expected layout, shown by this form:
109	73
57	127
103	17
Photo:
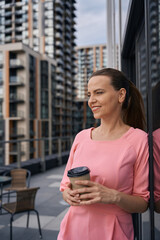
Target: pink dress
120	164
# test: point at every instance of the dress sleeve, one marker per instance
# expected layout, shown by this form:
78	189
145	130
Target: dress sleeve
65	179
141	171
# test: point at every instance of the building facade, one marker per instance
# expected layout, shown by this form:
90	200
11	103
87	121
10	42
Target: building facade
141	63
37	71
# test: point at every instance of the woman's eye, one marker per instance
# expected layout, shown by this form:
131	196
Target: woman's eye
99	92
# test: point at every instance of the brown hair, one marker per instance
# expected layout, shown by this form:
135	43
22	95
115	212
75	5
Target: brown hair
133	106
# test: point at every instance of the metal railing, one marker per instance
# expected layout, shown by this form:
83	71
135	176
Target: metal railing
42	148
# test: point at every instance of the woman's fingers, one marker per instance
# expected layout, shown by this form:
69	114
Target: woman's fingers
71	198
85	183
88	202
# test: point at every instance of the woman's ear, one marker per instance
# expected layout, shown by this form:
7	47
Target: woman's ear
122	95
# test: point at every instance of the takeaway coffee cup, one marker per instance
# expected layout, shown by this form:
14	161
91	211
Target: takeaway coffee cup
78	173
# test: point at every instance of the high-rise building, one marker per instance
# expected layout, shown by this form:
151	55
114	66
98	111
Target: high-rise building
37	71
89	59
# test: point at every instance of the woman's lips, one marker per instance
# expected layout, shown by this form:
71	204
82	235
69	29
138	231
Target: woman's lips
95	108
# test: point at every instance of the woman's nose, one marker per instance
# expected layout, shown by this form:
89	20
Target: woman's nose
91	99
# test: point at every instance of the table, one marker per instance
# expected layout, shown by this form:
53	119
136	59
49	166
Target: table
3	179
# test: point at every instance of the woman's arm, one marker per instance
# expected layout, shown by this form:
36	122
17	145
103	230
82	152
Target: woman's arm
97	193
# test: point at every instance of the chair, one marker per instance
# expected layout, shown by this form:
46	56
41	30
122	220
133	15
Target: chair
25	202
20	180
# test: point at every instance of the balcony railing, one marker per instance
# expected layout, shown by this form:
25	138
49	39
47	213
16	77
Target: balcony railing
17	132
16	62
59	147
16	97
17	114
16	80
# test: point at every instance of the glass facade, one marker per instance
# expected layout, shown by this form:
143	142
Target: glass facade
141	62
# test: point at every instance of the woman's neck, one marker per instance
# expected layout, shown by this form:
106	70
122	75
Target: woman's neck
110	130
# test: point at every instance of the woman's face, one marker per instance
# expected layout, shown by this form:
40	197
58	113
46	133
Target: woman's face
104	100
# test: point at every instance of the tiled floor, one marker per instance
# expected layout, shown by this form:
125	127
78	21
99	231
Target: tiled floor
52	209
50	205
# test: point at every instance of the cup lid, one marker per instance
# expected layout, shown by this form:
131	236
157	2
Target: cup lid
78	171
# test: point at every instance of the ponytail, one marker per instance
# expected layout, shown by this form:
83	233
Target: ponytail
133	113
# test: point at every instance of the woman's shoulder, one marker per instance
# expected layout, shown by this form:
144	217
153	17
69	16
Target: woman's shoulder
83	134
139	132
137	136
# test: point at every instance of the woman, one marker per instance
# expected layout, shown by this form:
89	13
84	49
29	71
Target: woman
116	153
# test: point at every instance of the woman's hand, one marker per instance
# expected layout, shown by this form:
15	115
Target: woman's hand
95	193
71	198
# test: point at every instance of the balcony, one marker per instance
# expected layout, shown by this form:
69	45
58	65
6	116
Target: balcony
7	14
68	67
59	36
17	132
67	51
8	39
68	28
20	20
69	97
59	44
68	74
59	10
67	59
59	87
60	62
8	6
58	27
20	29
59	95
18	38
69	90
67	4
59	2
19	12
8	22
19	98
16	63
58	19
16	81
68	12
8	30
59	53
17	115
59	78
20	4
59	70
68	20
69	83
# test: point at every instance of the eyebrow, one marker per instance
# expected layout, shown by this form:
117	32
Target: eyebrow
98	89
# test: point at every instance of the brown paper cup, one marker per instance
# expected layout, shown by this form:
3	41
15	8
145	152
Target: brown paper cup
73	179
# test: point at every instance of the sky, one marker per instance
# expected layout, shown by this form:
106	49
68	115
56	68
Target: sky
91	21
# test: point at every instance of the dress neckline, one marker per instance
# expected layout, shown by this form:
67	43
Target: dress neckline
115	140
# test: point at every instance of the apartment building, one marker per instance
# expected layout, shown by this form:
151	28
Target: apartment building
37	72
89	59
